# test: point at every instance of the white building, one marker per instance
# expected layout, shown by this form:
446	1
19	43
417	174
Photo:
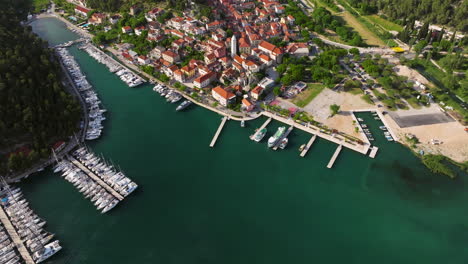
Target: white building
233	46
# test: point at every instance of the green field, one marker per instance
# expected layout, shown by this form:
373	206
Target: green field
313	89
387	25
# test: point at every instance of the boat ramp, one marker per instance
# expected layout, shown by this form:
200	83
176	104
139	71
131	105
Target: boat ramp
335	156
307	147
220	128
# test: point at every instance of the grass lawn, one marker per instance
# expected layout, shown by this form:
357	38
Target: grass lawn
304	98
368	36
387	25
355	91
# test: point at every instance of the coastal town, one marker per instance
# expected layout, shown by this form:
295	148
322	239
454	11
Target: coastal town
377	101
243	58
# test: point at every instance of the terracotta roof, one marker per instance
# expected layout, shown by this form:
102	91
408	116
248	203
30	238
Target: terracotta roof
246	102
257	90
82	9
170	53
270	47
223	93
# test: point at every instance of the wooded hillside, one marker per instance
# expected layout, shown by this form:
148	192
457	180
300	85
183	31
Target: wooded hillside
452	13
35	109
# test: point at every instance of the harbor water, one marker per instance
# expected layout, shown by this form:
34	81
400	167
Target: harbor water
241	202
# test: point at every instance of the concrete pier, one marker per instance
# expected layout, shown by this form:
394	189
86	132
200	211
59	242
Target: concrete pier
335	155
220	128
262	127
373	152
363	149
96	178
306	149
275	147
15	237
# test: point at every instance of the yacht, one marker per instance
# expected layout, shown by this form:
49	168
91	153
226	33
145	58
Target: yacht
183	105
274	139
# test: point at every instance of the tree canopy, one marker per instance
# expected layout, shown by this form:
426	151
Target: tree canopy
35	110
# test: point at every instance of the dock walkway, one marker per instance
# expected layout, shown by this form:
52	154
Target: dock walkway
262	127
286	134
96	178
306	149
15	237
335	155
373	152
220	128
363	149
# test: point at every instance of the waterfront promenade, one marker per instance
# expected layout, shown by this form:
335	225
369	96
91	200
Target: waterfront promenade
15	237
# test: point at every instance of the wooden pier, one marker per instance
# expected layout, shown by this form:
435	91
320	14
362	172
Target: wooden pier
96	178
306	149
373	152
335	155
15	237
262	127
275	147
220	128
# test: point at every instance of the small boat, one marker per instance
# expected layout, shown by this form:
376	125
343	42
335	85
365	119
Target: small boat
377	118
283	143
302	147
183	105
360	119
242	124
260	135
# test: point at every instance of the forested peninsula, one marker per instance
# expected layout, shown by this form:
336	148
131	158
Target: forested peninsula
36	111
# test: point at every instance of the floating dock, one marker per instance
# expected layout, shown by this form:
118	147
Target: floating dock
220	128
15	237
262	127
96	178
373	152
306	149
275	147
335	155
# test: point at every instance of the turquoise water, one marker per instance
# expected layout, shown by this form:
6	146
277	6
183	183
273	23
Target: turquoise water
241	202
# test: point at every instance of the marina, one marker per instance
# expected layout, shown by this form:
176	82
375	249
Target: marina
335	156
95	112
126	75
180	205
95	178
218	132
307	147
22	236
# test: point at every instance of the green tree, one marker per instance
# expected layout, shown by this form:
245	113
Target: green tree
335	109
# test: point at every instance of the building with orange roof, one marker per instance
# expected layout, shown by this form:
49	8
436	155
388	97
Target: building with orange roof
222	96
204	80
170	56
256	92
247	105
274	52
